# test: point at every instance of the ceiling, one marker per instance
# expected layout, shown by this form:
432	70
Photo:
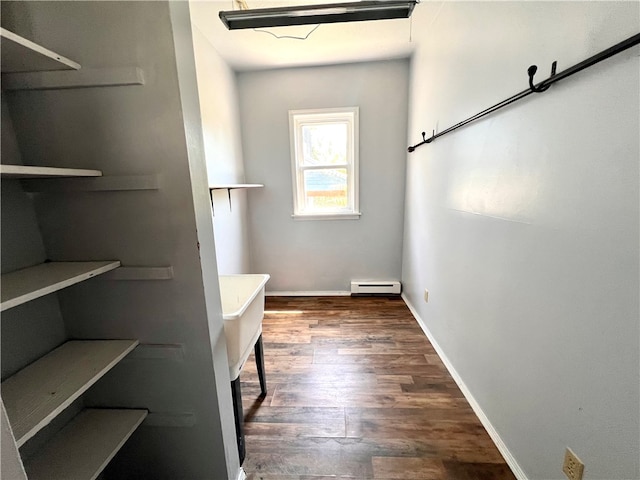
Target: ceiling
329	44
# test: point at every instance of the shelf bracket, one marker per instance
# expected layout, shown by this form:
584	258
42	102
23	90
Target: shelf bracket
228	187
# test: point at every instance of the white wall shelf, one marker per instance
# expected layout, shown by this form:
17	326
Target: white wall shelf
39	392
85	78
29	171
233	186
47	390
82	449
30	283
228	187
22	55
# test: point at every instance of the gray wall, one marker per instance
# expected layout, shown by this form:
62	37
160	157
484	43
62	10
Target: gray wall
11	466
35	328
147	129
223	150
524	226
326	255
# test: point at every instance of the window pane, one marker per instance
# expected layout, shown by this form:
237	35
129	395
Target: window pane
324	144
326	189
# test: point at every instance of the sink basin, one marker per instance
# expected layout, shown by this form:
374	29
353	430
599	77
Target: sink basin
242	310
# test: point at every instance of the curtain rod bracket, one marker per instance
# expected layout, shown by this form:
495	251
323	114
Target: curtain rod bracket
424	140
542	87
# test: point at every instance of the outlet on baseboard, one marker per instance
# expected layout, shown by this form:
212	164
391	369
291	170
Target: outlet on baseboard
426	295
572	467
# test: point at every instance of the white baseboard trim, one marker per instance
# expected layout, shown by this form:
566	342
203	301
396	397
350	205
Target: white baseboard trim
241	474
322	293
493	433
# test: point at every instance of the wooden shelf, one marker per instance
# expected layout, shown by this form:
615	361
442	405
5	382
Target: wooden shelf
233	186
28	171
30	283
82	449
22	55
39	392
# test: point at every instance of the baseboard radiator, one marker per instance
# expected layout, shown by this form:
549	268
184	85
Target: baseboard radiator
376	287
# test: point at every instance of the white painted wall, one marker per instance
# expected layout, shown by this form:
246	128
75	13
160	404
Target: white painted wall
222	428
325	255
524	226
223	150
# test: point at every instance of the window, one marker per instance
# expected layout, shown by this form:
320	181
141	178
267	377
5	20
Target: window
324	155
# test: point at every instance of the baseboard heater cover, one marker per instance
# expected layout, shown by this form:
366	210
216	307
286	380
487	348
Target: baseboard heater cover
372	287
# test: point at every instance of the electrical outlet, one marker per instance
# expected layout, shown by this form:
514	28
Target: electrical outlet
572	467
426	295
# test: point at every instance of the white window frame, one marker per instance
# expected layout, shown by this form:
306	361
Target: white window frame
299	118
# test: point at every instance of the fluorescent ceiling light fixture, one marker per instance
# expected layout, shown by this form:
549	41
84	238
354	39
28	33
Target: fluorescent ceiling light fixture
313	14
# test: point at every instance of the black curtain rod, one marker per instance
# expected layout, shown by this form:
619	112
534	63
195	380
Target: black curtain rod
540	87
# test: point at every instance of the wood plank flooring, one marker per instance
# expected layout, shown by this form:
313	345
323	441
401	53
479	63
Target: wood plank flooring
356	391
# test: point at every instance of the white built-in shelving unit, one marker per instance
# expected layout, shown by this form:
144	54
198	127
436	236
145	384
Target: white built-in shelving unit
97	433
38	393
29	66
30	283
29	171
35	395
22	55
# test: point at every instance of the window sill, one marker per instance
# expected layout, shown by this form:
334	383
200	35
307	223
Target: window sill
327	216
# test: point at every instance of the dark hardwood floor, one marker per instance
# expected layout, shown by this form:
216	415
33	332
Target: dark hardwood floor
357	391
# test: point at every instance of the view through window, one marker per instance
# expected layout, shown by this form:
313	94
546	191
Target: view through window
324	158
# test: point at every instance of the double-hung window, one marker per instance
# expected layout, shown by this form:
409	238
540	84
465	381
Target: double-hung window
324	156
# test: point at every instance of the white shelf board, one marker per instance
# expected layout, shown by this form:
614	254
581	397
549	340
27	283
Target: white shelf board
82	449
30	283
39	392
231	186
22	55
29	171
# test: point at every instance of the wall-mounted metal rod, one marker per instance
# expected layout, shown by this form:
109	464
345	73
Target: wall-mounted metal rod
540	87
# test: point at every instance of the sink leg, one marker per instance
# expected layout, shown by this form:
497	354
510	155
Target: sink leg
259	351
239	416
